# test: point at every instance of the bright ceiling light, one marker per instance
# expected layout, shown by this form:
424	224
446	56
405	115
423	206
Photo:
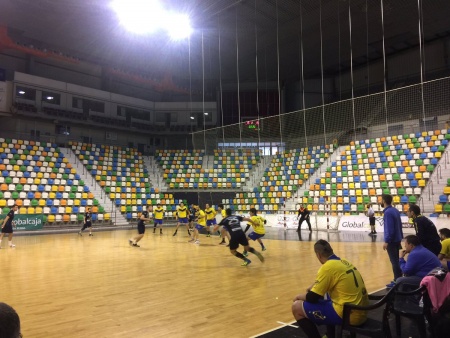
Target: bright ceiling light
178	26
49	97
140	16
192	117
206	114
149	16
21	92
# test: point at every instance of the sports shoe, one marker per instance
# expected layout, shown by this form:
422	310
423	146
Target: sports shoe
246	262
263	249
12	245
191	240
91	235
160	233
245	253
208	235
130	241
136	245
261	257
79	233
223	243
174	234
197	242
390	285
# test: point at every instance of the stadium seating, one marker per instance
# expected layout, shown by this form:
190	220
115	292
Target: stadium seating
184	169
39	179
398	165
287	171
123	176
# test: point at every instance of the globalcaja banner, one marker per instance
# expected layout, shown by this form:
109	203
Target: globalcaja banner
26	222
361	223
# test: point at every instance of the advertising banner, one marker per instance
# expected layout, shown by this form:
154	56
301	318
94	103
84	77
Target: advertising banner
361	223
26	222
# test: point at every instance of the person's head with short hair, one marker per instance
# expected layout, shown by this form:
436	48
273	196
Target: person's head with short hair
411	241
386	199
444	233
220	206
253	212
149	207
369	205
15	207
88	209
414	210
206	206
9	322
229	212
323	250
159	205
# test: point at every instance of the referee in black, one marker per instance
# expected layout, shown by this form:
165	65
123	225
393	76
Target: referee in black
7	226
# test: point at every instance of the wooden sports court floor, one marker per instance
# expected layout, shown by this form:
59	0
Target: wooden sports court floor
63	285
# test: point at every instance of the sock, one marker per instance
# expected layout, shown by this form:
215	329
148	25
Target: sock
253	251
262	246
247	227
241	256
245	252
218	232
10	243
309	328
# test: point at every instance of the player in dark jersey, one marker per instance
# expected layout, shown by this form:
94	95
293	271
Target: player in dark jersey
7	226
87	222
233	225
192	217
141	227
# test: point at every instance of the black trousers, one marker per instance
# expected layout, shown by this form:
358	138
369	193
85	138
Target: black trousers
301	221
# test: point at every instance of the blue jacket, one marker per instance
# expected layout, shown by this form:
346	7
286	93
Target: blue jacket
420	262
393	232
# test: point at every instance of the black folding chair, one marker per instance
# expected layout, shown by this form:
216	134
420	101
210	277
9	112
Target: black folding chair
406	304
372	327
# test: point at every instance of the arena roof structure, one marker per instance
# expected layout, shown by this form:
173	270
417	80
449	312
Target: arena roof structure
89	30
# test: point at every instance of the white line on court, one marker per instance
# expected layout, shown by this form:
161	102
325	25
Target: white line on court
274	329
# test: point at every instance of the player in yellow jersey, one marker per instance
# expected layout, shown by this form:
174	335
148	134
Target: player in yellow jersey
342	282
201	224
210	213
158	216
258	229
223	232
182	215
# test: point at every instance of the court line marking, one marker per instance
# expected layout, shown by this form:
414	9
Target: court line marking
286	324
274	329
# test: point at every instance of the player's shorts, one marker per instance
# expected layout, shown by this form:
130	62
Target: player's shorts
322	313
211	222
372	220
183	220
224	228
238	237
253	235
88	224
199	227
158	221
7	229
141	229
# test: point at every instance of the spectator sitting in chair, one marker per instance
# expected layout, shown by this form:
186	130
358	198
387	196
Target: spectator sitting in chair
420	261
425	230
341	283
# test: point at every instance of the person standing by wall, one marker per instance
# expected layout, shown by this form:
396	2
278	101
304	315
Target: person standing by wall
371	214
425	230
